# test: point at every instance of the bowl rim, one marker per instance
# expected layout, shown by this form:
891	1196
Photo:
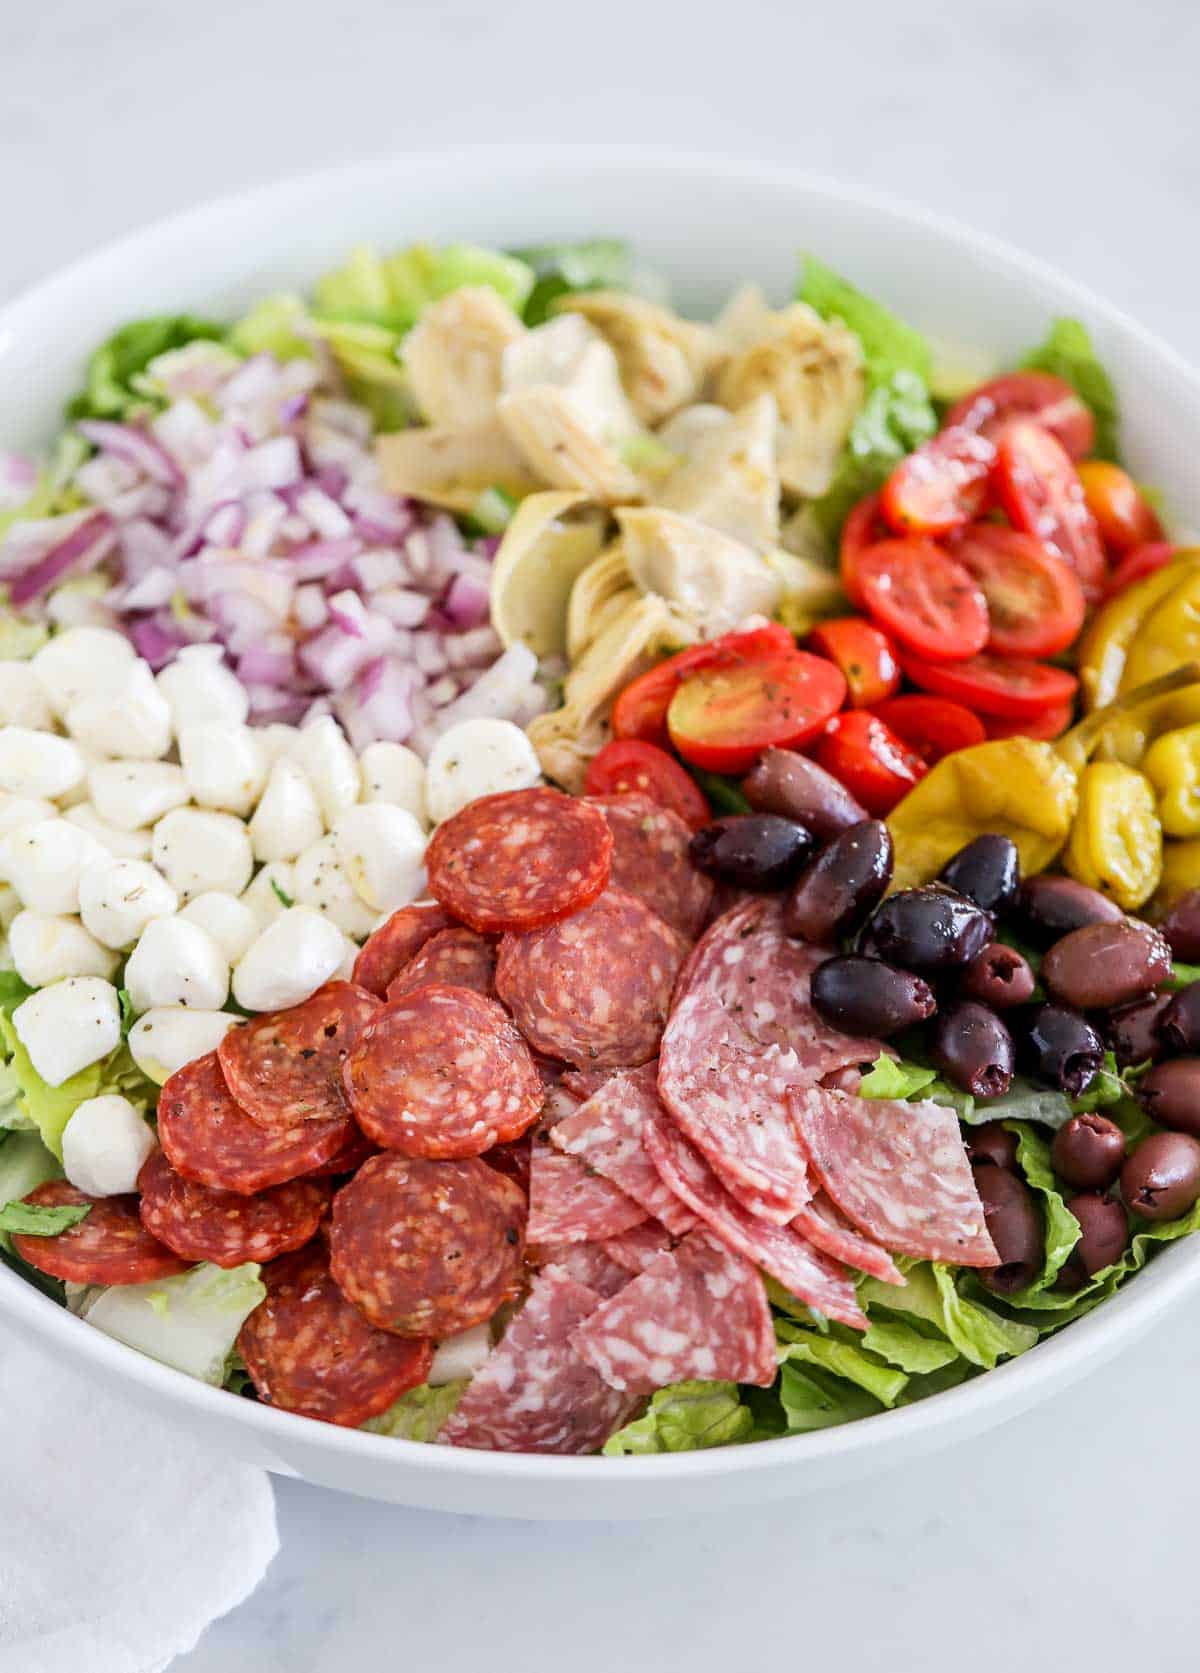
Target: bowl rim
1016	1384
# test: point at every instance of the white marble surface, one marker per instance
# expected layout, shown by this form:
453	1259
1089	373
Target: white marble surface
1067	127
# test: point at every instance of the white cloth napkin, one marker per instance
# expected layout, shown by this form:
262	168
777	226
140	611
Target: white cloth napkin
120	1538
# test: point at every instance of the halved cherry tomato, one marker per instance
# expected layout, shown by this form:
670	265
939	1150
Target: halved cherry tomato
641	709
865	656
995	685
1051	723
942	485
870	760
923	598
629	765
1035	603
1123	516
1039	488
723	718
1039	395
931	726
1136	565
862	528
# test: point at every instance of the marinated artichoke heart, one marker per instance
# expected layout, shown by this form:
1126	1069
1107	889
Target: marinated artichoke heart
727	476
453	356
451	467
549	543
663	359
603	589
713	581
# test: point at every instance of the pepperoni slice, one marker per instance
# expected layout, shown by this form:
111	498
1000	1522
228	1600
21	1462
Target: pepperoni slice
109	1245
309	1351
349	1158
596	989
520	859
651	860
442	1073
209	1138
826	1227
607	1132
453	957
389	948
200	1224
427	1248
285	1067
568	1203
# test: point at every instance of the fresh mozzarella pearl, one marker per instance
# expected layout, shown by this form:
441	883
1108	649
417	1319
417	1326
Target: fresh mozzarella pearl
231	923
123	845
382	850
223	766
68	1025
169	1036
288	818
104	1145
22	700
200	689
176	963
276	740
394	773
45	948
24	810
320	882
118	900
132	720
478	758
291	959
38	763
272	892
332	769
46	862
197	851
81	662
131	794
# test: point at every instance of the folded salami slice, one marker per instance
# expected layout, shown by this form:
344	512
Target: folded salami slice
606	1132
699	1311
899	1171
457	957
400	938
568	1203
587	1263
827	1228
285	1067
535	1394
635	1249
651	859
822	1283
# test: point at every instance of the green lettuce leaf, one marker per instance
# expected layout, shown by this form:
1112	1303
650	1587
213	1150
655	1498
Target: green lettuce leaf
1062	1231
891	1077
25	1163
277	325
929	1292
889	345
560	269
1025	1102
1108	1088
391	291
419	1414
109	390
685	1418
911	1349
813	1399
190	1322
896	417
29	1219
1068	353
49	1108
724	795
841	1358
1182	976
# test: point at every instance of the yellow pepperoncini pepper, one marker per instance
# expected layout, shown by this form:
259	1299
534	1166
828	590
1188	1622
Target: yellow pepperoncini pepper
1180	873
1116	841
1105	647
1172	765
1168	636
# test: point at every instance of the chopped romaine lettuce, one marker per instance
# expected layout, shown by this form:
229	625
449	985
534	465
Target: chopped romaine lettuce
49	1108
892	1078
981	1335
278	325
841	1358
908	1347
685	1418
1182	976
30	1219
559	269
190	1322
109	390
1025	1102
889	345
813	1399
419	1414
1068	353
25	1163
896	417
391	291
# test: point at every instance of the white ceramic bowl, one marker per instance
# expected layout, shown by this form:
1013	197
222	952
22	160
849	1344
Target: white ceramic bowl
708	224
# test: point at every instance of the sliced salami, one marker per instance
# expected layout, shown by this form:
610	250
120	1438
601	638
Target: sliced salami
109	1246
454	957
651	859
827	1228
581	1083
309	1351
635	1249
587	1263
427	1248
442	1073
568	1203
606	1133
821	1283
200	1224
535	1394
285	1067
519	860
595	990
208	1137
698	1311
395	943
899	1171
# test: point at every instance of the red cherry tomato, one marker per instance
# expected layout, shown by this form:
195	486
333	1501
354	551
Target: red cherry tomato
1123	516
1051	723
723	718
870	760
641	709
923	598
865	656
1039	488
1136	565
931	726
995	685
1038	395
941	486
862	528
628	764
1035	603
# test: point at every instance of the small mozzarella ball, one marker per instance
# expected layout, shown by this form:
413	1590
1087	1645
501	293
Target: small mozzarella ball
10	906
176	963
288	818
38	763
272	892
332	768
394	773
231	923
80	792
290	960
200	688
104	1145
24	810
131	794
46	948
132	721
460	1356
382	850
171	1035
345	970
198	851
68	1025
22	700
223	766
478	758
276	740
321	883
82	662
122	845
118	900
46	862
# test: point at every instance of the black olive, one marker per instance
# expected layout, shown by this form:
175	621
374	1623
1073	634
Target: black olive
1061	1048
839	890
973	1049
930	930
1014	1226
987	871
755	850
864	996
1049	907
1087	1152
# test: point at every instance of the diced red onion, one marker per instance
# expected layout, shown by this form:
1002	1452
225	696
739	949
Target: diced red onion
134	446
84	546
466	601
18	479
309	607
399	605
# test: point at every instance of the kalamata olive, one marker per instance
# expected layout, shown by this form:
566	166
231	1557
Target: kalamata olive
1132	1031
866	996
757	850
1103	1234
1061	1048
930	930
1179	1025
1049	907
1161	1179
973	1049
1181	926
1170	1095
999	976
992	1145
1087	1152
1015	1227
1102	965
795	787
840	889
987	871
